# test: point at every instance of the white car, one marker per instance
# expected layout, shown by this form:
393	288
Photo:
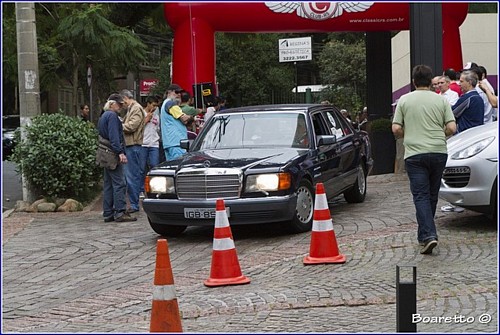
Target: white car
471	173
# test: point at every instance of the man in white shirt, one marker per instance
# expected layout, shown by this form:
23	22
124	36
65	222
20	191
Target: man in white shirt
445	91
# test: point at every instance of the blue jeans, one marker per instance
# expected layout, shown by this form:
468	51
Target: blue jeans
172	153
150	158
134	174
425	172
115	188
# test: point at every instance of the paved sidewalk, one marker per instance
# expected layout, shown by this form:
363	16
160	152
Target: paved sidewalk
72	273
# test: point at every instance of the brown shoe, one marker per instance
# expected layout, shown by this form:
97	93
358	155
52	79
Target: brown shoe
125	218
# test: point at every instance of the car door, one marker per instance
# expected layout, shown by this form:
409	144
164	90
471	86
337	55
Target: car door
345	150
326	160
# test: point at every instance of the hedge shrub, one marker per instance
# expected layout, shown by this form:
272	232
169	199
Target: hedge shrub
381	125
57	155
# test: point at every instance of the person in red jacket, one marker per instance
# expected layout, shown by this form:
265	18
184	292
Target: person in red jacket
454	85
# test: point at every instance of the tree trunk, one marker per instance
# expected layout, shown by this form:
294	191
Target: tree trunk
75	85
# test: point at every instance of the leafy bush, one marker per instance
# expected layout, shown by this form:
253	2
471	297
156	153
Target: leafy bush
57	155
381	125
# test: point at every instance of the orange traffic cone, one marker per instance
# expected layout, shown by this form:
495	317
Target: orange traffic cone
323	247
165	315
225	268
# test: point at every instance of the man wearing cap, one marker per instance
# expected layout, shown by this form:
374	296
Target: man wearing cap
173	123
133	130
115	187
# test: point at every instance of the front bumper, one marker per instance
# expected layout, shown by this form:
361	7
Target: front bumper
477	189
241	211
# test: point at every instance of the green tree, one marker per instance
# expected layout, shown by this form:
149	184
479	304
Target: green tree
485	7
88	38
9	61
343	68
248	69
163	78
70	37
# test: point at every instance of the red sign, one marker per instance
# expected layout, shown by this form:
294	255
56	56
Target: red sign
145	86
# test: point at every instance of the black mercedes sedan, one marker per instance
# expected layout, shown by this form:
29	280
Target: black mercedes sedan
264	161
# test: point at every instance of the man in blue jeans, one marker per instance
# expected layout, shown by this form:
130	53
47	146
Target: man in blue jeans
424	119
133	132
173	123
115	186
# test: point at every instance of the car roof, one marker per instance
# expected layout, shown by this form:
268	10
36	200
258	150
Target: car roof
304	108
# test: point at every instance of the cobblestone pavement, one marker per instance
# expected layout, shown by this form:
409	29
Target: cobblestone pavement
74	273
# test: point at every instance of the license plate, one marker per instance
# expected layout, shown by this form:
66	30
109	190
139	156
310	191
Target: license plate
201	213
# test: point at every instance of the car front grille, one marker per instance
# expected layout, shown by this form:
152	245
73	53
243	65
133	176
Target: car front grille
456	176
209	184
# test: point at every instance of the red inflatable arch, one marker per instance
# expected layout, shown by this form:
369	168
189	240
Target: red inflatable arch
195	24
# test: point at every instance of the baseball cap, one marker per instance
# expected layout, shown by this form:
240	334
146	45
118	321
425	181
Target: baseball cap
116	97
469	65
174	87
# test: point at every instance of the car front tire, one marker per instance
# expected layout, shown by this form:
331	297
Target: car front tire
167	230
303	218
357	192
494	202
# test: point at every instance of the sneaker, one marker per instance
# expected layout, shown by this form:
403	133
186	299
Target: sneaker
427	248
451	208
125	218
109	219
131	210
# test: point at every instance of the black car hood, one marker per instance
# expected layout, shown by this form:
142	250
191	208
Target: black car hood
236	158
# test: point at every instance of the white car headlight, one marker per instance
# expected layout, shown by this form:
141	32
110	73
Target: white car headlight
159	184
473	149
268	182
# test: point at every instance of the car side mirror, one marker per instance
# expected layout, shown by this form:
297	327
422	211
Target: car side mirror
185	144
326	140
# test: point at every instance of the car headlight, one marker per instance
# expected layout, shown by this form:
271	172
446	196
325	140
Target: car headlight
268	182
473	149
157	184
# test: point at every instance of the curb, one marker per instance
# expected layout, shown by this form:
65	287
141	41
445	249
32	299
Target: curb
7	213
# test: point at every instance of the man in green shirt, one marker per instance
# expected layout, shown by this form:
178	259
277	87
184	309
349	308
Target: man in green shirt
424	119
188	109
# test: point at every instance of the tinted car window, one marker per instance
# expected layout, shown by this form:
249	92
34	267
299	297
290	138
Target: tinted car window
319	125
337	124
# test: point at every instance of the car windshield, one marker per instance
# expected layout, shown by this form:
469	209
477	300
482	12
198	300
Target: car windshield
255	130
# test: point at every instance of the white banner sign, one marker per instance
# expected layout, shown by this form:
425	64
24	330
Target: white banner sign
295	49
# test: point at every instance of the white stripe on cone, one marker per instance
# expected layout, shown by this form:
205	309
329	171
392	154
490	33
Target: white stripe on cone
321	202
221	219
322	225
164	292
221	244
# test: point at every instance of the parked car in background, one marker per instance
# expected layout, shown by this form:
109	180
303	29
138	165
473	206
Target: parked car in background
10	123
264	161
470	179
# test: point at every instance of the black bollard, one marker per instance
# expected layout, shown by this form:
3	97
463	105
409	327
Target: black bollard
406	301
